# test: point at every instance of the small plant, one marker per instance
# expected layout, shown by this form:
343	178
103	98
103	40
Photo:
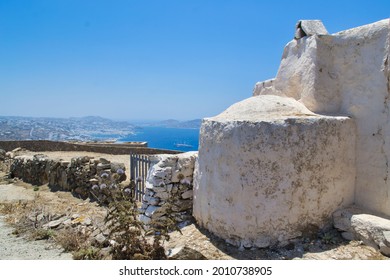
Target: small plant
42	234
36	188
72	240
89	253
129	237
328	237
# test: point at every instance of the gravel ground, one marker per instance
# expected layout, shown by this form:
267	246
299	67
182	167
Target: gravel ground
19	248
13	247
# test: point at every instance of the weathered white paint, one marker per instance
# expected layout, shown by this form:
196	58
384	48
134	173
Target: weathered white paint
363	66
268	168
347	73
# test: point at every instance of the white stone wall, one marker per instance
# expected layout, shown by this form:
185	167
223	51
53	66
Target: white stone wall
363	67
347	73
169	183
269	168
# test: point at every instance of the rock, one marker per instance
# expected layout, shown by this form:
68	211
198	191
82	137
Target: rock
145	219
64	163
2	154
115	166
384	249
67	222
161	173
17	150
185	253
182	205
162	195
171	187
154	212
157	190
356	224
151	200
87	221
309	28
188	194
101	239
55	223
103	166
150	210
149	187
104	161
83	220
10	155
148	190
94	181
348	235
85	159
386	236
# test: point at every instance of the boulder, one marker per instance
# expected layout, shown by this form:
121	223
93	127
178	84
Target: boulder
55	223
358	224
308	28
185	253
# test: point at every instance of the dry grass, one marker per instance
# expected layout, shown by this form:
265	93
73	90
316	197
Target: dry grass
28	217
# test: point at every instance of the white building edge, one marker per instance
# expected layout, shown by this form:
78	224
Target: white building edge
311	141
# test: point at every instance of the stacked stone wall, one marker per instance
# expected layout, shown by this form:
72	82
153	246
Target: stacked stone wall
77	175
169	188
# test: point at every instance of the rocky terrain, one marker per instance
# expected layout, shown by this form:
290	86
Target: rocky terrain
56	217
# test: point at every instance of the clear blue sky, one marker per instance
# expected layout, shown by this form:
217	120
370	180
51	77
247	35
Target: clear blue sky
149	59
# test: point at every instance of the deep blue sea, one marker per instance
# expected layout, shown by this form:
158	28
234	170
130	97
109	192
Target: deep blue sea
180	139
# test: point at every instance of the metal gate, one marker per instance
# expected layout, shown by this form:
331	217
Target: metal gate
139	166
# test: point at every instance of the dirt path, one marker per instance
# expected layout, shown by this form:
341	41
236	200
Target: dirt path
13	247
19	248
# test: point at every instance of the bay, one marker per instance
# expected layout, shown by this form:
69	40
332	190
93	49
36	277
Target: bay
179	139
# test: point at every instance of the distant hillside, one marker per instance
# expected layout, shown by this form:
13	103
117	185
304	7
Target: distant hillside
59	129
178	124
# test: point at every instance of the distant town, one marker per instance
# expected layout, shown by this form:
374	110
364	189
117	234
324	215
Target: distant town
91	128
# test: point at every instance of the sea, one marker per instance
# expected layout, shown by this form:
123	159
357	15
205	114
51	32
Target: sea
179	139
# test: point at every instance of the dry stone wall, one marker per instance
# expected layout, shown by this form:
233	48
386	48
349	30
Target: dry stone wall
169	187
77	175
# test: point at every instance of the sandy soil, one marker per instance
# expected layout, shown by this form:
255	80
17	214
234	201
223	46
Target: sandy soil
14	247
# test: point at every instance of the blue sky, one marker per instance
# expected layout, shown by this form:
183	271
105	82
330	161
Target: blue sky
149	59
